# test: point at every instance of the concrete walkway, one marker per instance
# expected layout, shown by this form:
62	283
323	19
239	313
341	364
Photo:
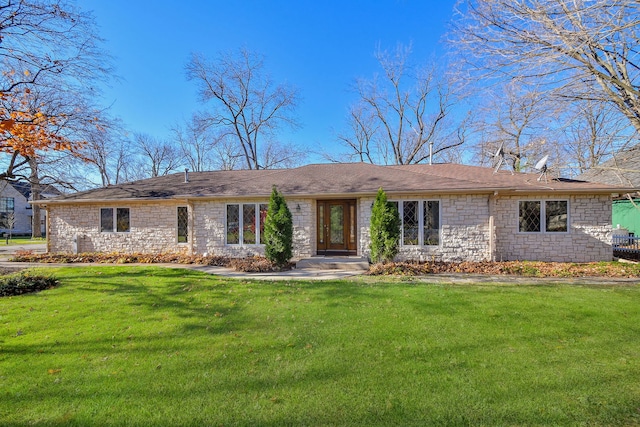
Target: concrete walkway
8	251
310	274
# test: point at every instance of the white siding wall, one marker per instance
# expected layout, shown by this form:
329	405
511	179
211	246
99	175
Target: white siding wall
22	210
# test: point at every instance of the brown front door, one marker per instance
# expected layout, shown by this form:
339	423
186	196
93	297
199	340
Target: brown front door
337	227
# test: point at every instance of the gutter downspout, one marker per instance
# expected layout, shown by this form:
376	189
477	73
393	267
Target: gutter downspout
46	228
492	229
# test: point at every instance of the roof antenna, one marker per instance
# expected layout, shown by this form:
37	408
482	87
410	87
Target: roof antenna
541	167
186	175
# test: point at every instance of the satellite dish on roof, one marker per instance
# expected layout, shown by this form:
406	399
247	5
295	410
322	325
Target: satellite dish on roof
542	163
499	156
541	166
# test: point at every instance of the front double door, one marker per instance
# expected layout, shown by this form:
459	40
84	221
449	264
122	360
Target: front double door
337	228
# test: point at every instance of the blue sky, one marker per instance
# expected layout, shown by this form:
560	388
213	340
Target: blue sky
319	47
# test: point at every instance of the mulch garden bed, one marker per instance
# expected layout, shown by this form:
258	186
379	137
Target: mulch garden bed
261	264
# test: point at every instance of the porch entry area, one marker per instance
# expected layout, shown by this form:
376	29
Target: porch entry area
336	227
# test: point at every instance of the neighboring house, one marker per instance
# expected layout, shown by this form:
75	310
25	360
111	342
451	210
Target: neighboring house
623	169
14	199
449	212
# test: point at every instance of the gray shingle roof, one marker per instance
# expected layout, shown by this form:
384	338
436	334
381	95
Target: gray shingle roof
24	188
334	180
622	169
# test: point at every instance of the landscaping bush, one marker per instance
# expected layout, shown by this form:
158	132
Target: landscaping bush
278	230
24	284
385	229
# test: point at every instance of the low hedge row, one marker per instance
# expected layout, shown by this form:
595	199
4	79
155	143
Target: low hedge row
24	284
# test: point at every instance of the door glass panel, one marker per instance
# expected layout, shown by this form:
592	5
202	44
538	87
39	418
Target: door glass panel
352	224
321	223
336	232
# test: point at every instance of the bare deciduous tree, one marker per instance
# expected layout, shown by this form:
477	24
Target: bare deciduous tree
48	38
403	116
593	132
515	119
246	104
360	136
579	49
158	158
197	145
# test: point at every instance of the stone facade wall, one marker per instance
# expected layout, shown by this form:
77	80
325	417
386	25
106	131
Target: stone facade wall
465	229
153	229
210	233
464	234
588	238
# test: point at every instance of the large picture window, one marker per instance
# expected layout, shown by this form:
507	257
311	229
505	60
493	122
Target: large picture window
552	216
245	223
118	217
420	222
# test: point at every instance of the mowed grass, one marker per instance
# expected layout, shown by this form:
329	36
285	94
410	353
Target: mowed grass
151	346
21	240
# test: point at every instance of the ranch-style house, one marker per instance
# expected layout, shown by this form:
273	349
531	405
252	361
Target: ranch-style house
448	212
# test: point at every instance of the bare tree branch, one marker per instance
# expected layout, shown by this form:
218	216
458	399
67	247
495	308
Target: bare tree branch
247	105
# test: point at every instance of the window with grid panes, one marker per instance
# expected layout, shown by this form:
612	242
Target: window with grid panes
420	222
530	219
233	224
7	204
183	224
249	224
410	223
245	223
550	216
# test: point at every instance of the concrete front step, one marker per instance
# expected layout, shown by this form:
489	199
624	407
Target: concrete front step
333	263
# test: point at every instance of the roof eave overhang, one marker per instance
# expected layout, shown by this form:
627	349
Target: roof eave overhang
342	195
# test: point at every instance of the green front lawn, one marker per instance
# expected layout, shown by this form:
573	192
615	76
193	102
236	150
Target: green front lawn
21	240
151	346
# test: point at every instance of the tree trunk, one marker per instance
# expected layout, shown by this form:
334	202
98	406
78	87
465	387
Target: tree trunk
34	181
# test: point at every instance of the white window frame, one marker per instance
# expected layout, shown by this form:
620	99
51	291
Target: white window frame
543	216
114	219
421	203
241	223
